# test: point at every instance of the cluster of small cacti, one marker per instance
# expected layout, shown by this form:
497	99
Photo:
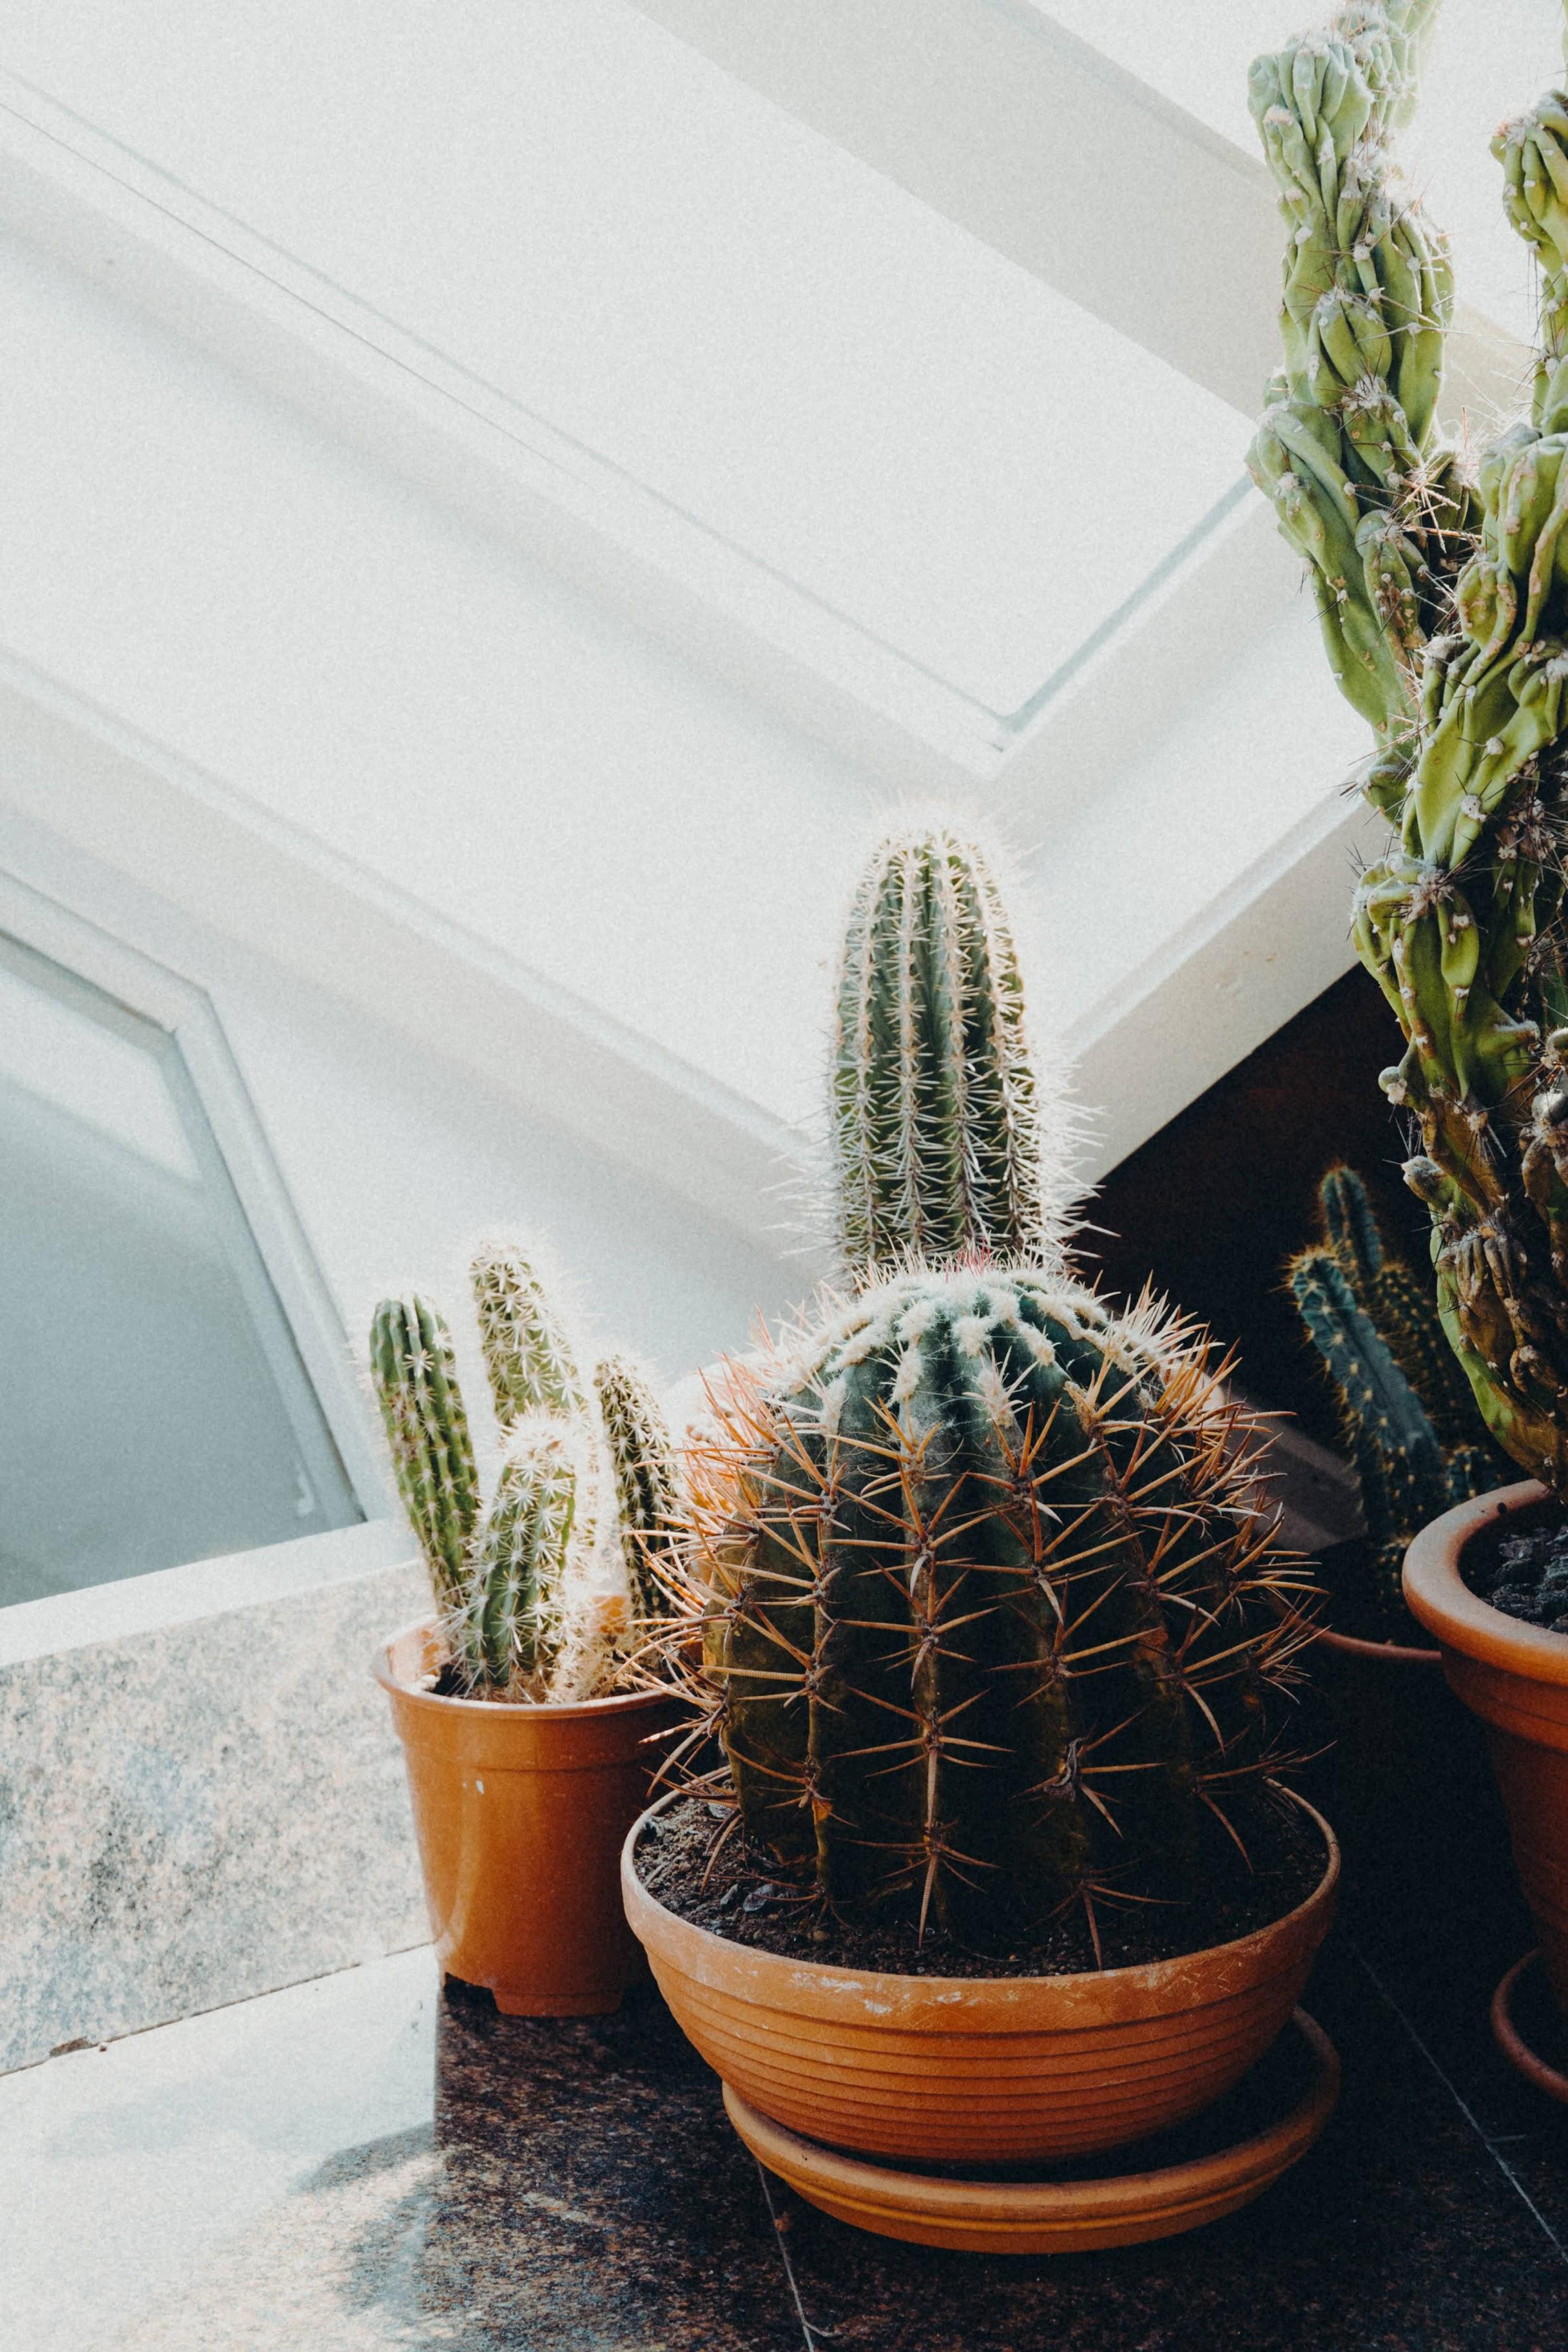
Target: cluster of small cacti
1406	1414
992	1618
1444	601
547	1592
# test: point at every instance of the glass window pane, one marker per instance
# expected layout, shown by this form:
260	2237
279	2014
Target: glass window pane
155	1408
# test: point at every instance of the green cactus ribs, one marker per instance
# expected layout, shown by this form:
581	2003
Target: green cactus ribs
646	1493
1406	1414
938	1140
993	1616
427	1432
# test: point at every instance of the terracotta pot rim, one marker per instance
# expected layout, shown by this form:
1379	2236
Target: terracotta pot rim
1138	1976
1438	1594
500	1709
1388	1654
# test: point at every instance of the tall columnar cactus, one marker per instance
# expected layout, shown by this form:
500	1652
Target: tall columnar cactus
992	1623
647	1494
1404	1319
938	1140
427	1432
527	1353
516	1585
508	1633
1399	1464
1445	608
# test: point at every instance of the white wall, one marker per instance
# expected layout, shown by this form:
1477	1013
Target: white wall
395	1157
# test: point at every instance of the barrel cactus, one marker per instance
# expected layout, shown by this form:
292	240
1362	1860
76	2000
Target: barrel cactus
1444	598
993	1621
524	1590
945	1135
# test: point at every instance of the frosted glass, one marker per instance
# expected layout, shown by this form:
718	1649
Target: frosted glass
153	1409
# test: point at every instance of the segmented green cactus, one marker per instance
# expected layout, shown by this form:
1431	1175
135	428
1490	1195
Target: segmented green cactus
527	1353
645	1490
428	1431
1444	609
992	1623
506	1635
937	1137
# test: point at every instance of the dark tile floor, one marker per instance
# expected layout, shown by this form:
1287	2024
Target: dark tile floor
294	2175
591	2195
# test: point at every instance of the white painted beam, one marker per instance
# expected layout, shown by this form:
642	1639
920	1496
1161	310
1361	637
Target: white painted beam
1056	156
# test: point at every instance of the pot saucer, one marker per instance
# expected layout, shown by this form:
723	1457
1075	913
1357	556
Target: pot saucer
1008	2216
1512	2044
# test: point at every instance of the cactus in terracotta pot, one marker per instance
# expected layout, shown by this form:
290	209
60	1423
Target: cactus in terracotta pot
993	1619
1443	591
525	1589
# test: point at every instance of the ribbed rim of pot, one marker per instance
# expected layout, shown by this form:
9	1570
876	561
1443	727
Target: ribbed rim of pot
618	1702
1438	1594
1143	1975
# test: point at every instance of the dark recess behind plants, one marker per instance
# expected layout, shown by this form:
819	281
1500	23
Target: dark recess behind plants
1213	1205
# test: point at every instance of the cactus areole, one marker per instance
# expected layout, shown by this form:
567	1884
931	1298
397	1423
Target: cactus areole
1442	593
993	1621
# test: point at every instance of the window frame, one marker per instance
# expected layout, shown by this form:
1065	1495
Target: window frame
226	1133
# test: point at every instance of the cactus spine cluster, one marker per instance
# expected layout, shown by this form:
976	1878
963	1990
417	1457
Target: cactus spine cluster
992	1621
519	1588
1444	601
938	1139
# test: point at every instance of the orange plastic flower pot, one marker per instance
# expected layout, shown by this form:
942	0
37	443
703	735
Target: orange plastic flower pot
1515	1677
521	1813
980	2070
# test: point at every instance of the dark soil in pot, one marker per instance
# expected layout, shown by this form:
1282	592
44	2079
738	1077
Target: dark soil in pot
1520	1565
718	1882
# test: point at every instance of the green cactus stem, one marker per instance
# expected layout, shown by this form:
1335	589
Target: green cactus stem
527	1353
937	1141
1403	1313
1444	600
505	1632
427	1432
992	1614
645	1490
1398	1461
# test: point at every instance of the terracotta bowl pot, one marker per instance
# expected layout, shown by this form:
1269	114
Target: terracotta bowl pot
980	2070
1515	1677
521	1813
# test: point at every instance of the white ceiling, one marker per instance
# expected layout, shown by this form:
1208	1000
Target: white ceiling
597	223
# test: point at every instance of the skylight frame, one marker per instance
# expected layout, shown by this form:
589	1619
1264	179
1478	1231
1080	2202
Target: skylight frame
55	160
